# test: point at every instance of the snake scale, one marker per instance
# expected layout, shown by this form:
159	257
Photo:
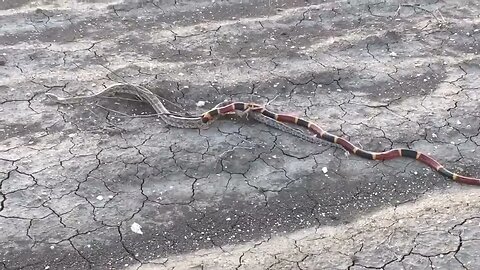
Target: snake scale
276	120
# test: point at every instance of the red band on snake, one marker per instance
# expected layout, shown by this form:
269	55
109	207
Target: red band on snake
320	133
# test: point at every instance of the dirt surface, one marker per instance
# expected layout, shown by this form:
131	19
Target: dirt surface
90	187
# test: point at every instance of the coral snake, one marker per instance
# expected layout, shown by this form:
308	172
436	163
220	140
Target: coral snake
324	135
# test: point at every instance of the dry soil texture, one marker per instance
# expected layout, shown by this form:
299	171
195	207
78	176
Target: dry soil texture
90	187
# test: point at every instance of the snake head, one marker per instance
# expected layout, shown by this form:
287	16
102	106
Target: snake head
207	117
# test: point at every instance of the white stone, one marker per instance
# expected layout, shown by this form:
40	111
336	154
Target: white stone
136	228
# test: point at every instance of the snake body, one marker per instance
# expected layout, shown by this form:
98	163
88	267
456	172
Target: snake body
276	120
319	133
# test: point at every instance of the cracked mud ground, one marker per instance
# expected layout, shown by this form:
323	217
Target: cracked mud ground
76	181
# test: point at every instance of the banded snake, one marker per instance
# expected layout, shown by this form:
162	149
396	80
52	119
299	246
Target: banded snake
261	114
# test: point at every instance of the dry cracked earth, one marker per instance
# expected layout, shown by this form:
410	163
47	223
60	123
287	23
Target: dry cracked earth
106	185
